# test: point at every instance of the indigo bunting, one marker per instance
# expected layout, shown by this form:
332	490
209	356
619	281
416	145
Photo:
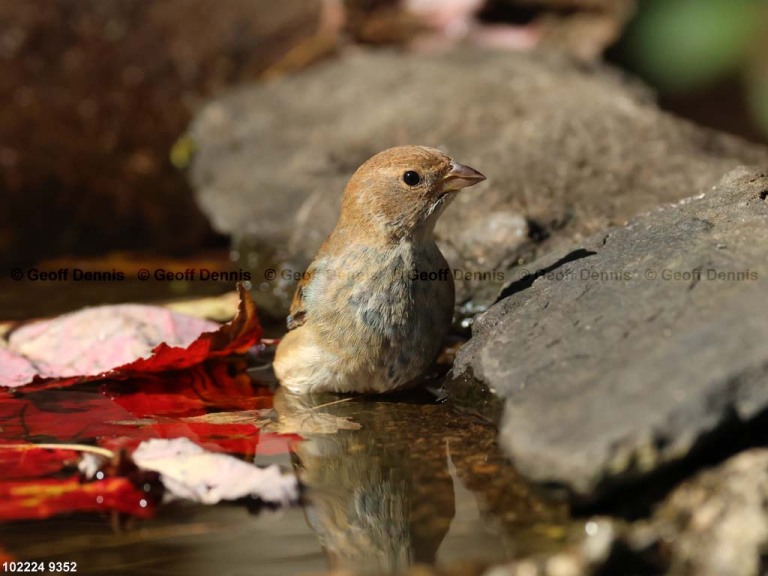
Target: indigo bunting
371	311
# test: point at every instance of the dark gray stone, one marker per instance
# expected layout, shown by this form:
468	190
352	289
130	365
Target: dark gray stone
568	148
629	348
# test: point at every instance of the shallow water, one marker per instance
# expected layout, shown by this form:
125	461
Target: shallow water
389	483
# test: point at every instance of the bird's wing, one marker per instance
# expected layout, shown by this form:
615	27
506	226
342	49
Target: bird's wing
298	311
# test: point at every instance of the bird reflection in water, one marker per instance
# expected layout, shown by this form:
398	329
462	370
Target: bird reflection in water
379	493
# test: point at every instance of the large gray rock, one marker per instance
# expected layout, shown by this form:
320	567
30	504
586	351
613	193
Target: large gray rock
617	356
568	149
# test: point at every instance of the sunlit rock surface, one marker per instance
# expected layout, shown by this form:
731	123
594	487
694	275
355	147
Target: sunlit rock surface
619	354
568	149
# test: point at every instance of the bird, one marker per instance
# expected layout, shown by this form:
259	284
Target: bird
371	311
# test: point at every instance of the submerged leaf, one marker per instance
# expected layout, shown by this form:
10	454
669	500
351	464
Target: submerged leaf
298	414
44	498
190	392
21	460
63	416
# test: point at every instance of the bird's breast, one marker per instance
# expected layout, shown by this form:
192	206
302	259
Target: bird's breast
384	297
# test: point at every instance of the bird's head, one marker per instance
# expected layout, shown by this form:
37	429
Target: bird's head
401	192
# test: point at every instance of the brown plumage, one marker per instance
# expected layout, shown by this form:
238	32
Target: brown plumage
370	314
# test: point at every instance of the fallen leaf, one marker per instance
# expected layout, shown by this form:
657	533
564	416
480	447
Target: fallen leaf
297	414
63	416
189	472
159	406
96	340
190	392
15	370
241	417
119	342
36	499
22	460
244	439
170	398
308	424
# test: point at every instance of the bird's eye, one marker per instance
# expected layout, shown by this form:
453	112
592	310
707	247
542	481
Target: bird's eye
411	178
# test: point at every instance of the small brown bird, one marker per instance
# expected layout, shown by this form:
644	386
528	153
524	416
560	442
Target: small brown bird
371	312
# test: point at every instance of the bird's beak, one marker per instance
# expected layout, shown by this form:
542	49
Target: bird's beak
460	177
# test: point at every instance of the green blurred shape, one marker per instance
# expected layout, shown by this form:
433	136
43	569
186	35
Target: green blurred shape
686	44
757	92
182	152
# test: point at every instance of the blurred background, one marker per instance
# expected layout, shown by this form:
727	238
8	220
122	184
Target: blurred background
97	93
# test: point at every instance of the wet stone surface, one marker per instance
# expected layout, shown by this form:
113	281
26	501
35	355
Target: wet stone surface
635	348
